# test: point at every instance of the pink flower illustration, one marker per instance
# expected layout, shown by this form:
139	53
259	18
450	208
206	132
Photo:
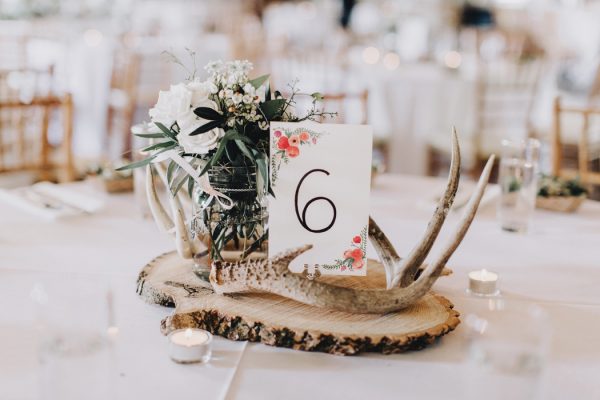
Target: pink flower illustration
304	136
294	140
292	151
358	264
357	254
277	133
314	140
283	143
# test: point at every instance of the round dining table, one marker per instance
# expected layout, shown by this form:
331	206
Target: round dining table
556	265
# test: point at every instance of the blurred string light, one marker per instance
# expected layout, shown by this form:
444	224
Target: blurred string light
92	37
452	59
391	61
371	55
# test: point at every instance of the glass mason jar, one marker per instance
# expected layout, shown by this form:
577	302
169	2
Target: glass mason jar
233	234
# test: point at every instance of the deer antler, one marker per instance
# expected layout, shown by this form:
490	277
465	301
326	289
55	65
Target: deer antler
176	225
273	275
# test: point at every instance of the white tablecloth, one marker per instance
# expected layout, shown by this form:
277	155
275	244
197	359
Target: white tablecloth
556	265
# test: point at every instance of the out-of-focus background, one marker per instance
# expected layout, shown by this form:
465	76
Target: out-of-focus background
75	75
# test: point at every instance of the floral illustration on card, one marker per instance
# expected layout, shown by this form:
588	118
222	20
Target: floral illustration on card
287	144
355	257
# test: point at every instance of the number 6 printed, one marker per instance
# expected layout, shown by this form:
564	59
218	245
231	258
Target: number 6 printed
302	218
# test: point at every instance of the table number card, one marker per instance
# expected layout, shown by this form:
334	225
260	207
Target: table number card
320	174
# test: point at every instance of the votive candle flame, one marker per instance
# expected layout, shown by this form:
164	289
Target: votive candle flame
190	345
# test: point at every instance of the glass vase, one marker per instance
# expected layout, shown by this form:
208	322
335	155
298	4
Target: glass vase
237	233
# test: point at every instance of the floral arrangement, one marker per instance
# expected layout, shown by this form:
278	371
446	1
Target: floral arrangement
552	186
288	145
354	258
221	123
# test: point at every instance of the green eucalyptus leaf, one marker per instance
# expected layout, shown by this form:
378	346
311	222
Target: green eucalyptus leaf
190	187
150	135
208	114
178	182
136	164
263	170
317	96
242	146
167	132
257	82
170	170
209	126
162	145
272	108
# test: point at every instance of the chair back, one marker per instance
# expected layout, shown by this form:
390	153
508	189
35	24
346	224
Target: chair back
351	108
588	146
506	92
31	117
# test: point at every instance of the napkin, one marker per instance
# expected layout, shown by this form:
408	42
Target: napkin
51	201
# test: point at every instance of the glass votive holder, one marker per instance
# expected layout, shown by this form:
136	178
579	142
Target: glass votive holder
507	349
190	345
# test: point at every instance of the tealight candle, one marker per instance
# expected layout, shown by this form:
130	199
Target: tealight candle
483	283
190	345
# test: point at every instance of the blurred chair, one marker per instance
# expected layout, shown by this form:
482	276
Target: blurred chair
351	108
576	153
122	101
29	119
505	95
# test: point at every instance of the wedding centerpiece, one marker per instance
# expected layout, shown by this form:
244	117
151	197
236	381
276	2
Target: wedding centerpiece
225	139
213	136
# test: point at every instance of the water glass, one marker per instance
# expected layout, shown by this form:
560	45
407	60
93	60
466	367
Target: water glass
508	346
519	166
75	322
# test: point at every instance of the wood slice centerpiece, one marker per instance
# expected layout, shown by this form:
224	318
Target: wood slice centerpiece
168	280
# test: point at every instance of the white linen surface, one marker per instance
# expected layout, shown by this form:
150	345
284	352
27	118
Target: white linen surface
556	265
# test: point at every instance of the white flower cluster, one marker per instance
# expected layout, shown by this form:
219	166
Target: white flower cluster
239	96
227	90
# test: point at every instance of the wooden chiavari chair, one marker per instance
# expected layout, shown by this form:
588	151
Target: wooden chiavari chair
348	106
27	117
505	92
587	149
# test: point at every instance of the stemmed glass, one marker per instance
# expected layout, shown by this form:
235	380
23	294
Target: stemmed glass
508	346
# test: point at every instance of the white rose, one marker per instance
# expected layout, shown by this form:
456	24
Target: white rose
249	89
200	92
237	98
171	104
202	143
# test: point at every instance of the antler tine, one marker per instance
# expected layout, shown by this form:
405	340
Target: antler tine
405	271
385	250
184	245
433	270
161	217
286	257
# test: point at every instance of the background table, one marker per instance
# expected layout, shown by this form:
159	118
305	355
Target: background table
556	265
